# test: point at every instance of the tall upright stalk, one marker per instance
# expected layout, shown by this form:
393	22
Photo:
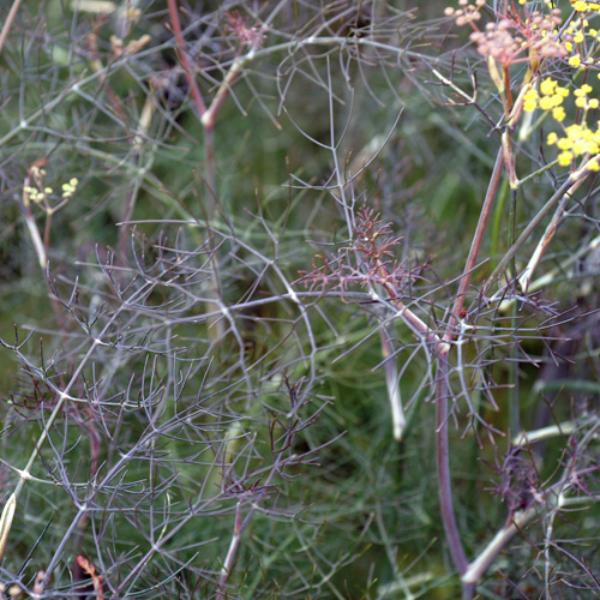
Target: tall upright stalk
442	389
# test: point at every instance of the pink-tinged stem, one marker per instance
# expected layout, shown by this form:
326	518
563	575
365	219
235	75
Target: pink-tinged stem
8	23
183	57
207	117
443	467
442	390
210	169
484	217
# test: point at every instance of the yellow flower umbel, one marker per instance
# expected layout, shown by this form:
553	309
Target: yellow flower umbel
35	195
581	6
582	100
550	99
69	188
34	190
578	141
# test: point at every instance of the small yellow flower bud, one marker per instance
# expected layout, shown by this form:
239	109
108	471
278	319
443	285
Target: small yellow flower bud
559	114
565	159
548	86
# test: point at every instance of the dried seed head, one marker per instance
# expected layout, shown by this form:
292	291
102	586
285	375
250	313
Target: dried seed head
514	36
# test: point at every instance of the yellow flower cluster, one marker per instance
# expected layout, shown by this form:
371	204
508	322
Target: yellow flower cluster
582	6
578	141
69	188
35	195
582	100
550	98
543	36
38	194
575	35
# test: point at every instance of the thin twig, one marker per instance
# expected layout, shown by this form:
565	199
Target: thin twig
475	570
543	244
556	501
568	188
8	23
525	438
231	553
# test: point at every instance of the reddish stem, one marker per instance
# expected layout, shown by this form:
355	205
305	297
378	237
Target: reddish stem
484	217
442	389
8	23
183	57
507	91
210	169
47	232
